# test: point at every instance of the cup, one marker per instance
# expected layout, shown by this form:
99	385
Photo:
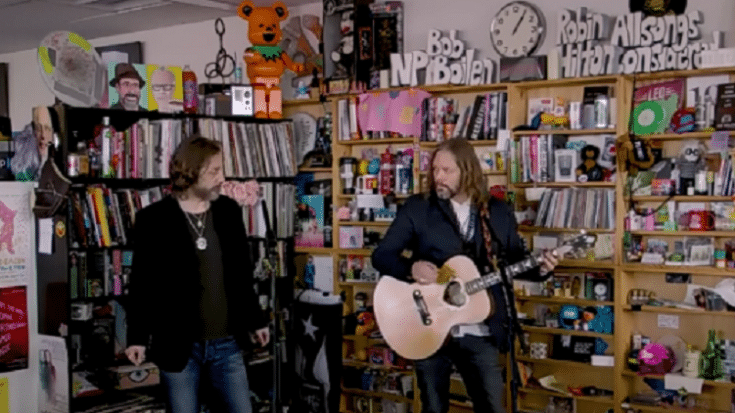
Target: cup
701	220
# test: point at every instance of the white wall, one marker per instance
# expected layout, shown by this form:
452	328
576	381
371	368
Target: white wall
471	17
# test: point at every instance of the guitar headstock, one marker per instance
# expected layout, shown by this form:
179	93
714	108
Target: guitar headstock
577	245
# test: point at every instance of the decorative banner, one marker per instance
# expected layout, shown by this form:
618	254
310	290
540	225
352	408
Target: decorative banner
13	329
636	43
446	60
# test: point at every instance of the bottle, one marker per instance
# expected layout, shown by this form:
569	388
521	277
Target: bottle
675	177
710	362
691	362
106	143
191	90
238	71
95	163
387	172
83	159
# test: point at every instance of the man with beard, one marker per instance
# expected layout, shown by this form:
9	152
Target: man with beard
128	83
163	85
192	305
457	216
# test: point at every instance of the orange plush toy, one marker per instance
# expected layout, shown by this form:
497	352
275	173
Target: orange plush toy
265	60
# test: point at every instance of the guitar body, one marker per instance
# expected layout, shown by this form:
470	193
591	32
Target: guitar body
415	319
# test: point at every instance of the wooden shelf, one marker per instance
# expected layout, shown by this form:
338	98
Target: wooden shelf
713	383
717	234
484	142
357	283
364	364
561	331
581	264
562	300
565	132
563	184
567	82
366	223
317	169
657	409
398	196
561	363
544	392
682	269
681	198
389	396
529	228
483	172
673	310
310	250
370	341
301	102
684	73
682	136
406	141
356	251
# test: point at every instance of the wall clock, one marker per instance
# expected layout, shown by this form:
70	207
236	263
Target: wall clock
518	29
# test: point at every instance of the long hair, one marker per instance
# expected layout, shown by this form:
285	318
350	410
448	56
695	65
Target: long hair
471	179
188	160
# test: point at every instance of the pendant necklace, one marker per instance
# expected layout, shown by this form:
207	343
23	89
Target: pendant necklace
201	242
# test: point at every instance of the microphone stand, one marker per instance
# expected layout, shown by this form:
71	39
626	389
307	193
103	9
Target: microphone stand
512	325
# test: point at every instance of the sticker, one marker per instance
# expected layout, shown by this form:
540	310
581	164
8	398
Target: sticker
60	229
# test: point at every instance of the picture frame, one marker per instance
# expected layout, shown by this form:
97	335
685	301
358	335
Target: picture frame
565	162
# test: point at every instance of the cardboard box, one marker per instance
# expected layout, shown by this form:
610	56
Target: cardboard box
129	377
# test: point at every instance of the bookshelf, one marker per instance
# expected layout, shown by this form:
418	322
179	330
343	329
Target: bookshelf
624	275
91	261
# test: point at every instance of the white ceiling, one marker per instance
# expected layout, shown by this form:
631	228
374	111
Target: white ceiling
24	23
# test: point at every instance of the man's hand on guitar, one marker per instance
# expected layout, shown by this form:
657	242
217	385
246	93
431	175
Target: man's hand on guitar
424	272
548	262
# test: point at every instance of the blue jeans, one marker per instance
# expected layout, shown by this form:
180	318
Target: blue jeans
477	360
219	360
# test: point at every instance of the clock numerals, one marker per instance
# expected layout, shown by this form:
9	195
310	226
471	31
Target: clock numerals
517	29
499	43
534	29
500	20
531	19
515	9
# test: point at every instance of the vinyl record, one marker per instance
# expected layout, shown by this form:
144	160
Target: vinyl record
72	69
647	117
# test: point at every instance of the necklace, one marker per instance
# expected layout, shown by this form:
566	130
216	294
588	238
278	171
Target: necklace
201	242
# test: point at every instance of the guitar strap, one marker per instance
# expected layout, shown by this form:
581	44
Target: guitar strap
486	234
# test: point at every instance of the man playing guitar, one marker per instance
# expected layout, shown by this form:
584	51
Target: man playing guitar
457	217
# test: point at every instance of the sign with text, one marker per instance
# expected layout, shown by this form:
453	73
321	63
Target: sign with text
594	44
446	60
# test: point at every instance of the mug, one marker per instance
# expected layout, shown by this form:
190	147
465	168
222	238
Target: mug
367	184
701	220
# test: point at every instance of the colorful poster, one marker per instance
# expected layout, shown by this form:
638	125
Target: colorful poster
53	394
13	329
310	216
16	234
127	86
165	88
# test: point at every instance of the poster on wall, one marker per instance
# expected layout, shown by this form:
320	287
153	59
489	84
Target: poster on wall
127	89
53	394
165	88
13	329
17	238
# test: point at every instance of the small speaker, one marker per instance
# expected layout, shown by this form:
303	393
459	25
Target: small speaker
242	100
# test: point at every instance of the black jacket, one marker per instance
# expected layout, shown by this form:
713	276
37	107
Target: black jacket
166	286
427	227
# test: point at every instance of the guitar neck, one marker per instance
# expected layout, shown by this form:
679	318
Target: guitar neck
489	280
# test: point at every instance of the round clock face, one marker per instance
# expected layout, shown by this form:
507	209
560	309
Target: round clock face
518	29
600	289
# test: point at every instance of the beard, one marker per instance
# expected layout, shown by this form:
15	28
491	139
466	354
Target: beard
445	192
209	194
130	101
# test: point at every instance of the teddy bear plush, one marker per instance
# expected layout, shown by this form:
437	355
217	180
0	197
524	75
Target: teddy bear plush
265	60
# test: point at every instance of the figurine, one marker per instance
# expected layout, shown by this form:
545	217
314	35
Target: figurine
589	170
265	60
309	273
691	160
343	55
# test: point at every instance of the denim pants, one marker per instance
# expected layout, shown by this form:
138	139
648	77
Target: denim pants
219	360
477	360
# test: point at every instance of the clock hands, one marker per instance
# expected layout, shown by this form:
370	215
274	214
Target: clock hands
519	21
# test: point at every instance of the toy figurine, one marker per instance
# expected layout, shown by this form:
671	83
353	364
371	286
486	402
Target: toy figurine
309	273
589	170
265	60
343	55
691	159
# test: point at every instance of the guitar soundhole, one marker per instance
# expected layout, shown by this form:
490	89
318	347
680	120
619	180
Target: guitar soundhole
453	294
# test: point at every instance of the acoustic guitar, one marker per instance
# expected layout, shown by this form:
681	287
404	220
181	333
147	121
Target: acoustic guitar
415	319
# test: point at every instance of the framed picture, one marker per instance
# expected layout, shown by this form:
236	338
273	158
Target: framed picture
118	53
565	162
